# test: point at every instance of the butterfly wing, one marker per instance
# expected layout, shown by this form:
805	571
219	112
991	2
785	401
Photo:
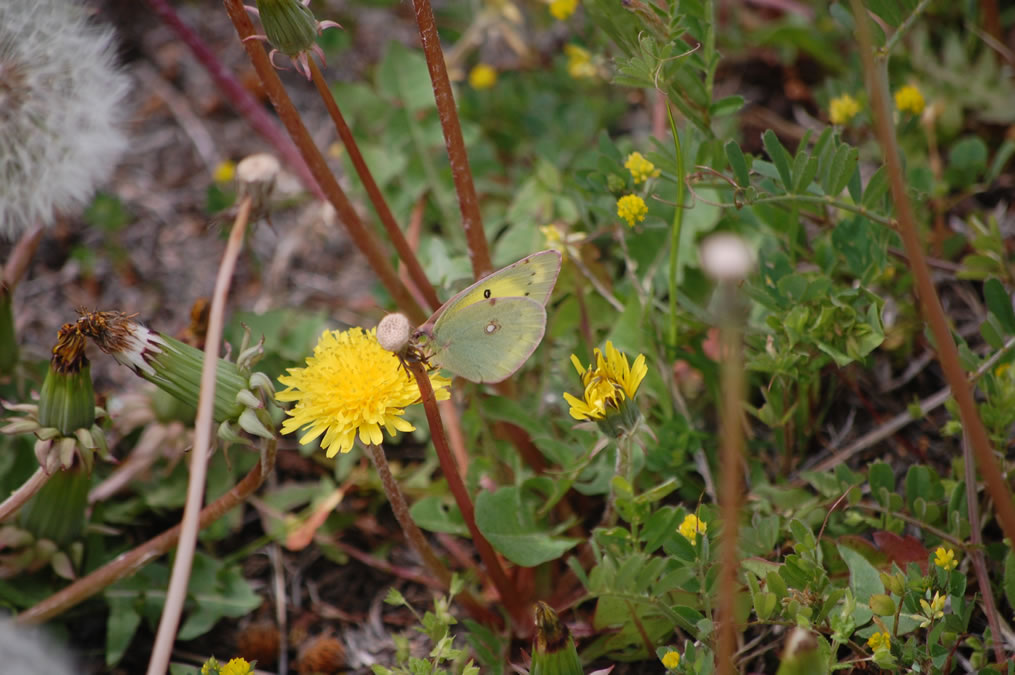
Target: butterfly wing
488	340
531	277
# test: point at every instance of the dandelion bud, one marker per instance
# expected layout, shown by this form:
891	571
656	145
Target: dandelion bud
393	333
289	24
61	109
553	651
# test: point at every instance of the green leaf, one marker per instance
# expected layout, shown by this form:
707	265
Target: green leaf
434	514
218	591
876	189
403	77
864	579
738	163
779	156
999	303
1009	578
881	477
726	106
506	520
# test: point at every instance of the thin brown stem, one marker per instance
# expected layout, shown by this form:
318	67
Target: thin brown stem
415	536
129	563
509	595
395	235
930	303
20	256
18	498
361	236
732	442
204	440
472	220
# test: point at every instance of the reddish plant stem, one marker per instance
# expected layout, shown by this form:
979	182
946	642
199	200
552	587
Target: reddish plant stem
237	95
18	498
472	220
127	564
20	257
732	442
930	303
361	236
509	595
416	539
405	253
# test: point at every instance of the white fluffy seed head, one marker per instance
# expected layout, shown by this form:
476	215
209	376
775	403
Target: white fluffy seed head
61	110
393	333
726	257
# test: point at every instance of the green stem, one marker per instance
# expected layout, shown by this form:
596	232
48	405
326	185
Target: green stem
903	28
675	229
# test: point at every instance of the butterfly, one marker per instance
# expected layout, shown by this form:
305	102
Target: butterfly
487	331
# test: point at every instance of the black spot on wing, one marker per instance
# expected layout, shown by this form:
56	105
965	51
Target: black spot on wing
486	293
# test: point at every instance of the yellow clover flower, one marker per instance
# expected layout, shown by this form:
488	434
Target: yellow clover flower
691	527
909	99
945	558
879	641
567	243
225	171
641	169
236	667
842	109
632	208
482	76
932	610
562	9
671	660
350	385
579	62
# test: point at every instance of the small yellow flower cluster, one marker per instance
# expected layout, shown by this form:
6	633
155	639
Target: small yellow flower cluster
562	9
351	385
632	208
579	62
608	385
567	243
932	610
641	169
482	76
879	641
945	558
691	527
842	109
909	99
671	660
234	667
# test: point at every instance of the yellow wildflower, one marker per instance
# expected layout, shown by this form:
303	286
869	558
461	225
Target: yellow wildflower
842	109
579	62
236	667
641	169
691	527
224	172
567	243
909	99
350	385
608	387
671	660
945	558
879	641
482	76
632	208
561	9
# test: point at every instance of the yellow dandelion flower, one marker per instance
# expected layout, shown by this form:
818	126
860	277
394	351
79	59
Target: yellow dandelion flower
879	641
579	62
224	172
632	208
671	660
609	386
945	558
691	527
641	169
562	9
909	99
236	667
482	76
350	385
842	109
